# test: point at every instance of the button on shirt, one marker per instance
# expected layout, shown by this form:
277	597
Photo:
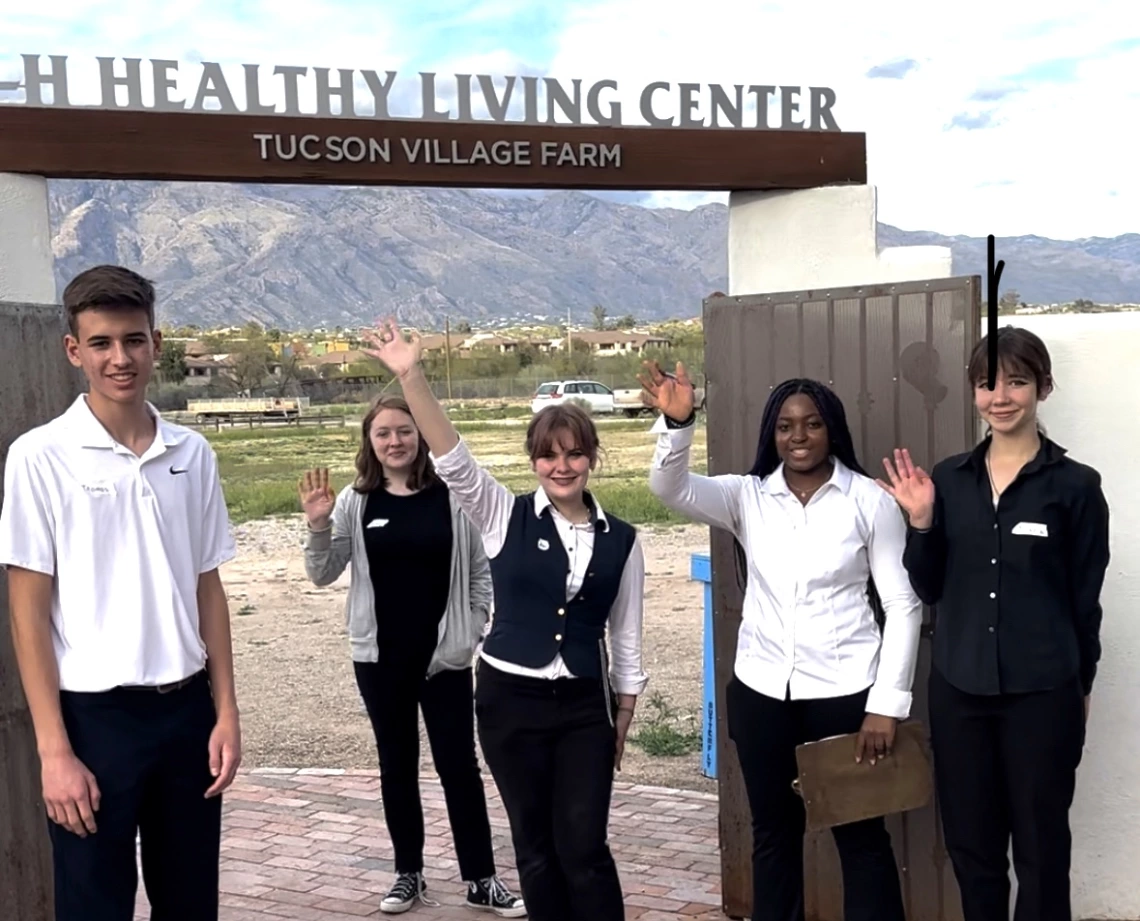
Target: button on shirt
126	539
489	504
807	627
1016	587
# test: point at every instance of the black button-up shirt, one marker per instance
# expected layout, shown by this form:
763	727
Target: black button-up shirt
1016	589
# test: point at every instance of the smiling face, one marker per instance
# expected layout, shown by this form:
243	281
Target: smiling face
802	440
116	349
1011	407
395	439
563	469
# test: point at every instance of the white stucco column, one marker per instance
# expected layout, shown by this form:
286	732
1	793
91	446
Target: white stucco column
25	241
1092	414
813	238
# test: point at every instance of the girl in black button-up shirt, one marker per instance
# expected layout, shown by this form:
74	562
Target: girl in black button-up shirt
1010	542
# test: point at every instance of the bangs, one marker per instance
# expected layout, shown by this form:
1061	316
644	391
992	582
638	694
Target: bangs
566	424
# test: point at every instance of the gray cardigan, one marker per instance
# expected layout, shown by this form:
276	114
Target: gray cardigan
328	552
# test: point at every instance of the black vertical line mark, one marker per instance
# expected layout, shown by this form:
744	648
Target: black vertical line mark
931	443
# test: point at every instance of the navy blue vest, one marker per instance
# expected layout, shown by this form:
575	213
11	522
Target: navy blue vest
533	620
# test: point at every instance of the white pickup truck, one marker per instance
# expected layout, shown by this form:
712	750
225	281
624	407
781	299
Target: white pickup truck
629	401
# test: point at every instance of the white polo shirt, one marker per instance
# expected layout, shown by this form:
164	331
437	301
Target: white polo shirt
126	539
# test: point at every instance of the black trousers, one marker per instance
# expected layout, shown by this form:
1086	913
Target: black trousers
393	698
766	732
149	754
1005	768
550	746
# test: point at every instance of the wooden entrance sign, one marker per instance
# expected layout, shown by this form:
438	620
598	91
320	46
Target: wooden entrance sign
89	143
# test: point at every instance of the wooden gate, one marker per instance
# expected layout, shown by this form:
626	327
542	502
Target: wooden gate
896	356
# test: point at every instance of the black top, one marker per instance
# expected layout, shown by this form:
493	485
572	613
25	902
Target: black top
408	540
1016	590
533	620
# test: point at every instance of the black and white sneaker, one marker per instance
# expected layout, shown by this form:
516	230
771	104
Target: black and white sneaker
404	892
492	895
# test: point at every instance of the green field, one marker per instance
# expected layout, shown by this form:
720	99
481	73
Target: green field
260	467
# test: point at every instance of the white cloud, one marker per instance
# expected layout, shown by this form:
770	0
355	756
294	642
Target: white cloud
1063	146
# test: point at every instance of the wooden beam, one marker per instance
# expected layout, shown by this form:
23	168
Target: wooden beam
211	147
40	384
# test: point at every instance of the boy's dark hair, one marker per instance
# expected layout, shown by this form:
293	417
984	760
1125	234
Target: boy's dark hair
107	287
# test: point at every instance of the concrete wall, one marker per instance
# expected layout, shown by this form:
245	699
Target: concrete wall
817	238
36	383
1093	414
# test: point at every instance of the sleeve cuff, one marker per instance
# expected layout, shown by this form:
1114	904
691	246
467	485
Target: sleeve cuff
634	687
319	540
886	701
40	566
663	424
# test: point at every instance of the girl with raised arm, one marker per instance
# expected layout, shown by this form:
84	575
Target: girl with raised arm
1010	542
417	605
815	536
553	704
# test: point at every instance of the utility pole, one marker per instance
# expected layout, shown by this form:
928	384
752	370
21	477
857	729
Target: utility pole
447	352
569	338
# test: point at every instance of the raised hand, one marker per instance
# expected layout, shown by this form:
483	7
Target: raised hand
911	487
671	394
317	498
397	354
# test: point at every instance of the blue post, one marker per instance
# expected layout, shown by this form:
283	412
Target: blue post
700	570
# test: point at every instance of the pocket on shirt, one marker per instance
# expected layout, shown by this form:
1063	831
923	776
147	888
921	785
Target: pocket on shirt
1035	543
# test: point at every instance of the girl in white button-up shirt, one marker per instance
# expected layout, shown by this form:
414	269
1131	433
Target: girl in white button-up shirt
820	545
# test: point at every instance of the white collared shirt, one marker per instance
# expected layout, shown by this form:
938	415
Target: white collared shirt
807	626
125	538
489	504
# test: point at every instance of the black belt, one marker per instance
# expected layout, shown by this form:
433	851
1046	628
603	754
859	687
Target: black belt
163	688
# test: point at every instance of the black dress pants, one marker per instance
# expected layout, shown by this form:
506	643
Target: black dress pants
766	732
149	754
1005	767
393	697
550	746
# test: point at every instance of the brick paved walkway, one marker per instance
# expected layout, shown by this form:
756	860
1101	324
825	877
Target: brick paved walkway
311	845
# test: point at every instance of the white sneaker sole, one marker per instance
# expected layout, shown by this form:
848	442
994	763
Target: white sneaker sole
396	909
501	912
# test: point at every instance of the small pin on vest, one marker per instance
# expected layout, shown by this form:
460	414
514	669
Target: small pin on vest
543	544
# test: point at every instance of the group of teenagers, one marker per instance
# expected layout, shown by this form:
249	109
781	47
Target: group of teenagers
517	619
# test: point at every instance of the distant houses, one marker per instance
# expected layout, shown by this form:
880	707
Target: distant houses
320	356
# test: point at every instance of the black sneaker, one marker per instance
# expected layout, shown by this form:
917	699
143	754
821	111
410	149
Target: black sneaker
403	894
492	895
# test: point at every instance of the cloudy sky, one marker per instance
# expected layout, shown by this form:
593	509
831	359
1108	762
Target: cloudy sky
1002	117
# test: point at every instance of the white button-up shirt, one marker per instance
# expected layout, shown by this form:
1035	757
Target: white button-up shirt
489	504
808	628
125	538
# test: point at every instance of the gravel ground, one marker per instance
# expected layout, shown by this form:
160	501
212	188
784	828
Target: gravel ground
298	699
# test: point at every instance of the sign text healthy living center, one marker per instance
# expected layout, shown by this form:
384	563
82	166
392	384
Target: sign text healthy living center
166	85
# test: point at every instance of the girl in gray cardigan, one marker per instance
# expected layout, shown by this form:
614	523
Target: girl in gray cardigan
418	603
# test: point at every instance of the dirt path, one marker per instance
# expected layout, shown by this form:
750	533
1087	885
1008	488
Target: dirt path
298	698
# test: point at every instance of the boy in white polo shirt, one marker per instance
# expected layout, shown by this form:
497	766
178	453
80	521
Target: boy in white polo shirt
112	530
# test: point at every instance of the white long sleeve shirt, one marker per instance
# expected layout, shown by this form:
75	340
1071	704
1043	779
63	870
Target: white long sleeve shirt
808	628
489	504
